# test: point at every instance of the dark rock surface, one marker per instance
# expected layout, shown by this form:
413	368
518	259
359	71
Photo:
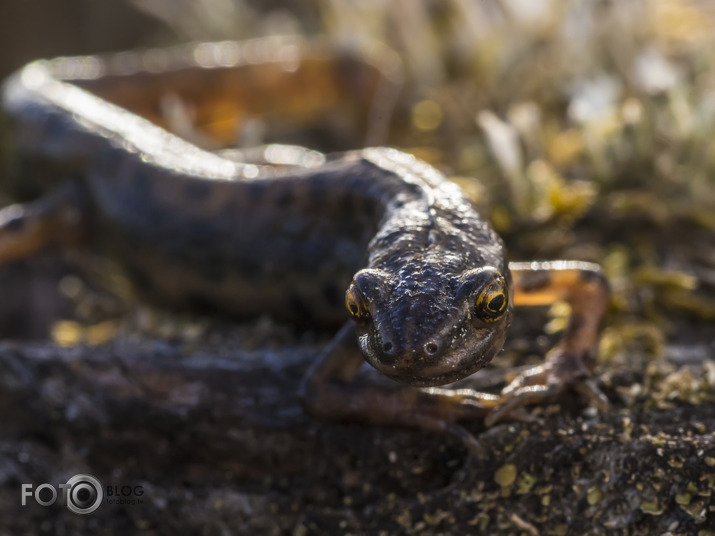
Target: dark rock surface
214	435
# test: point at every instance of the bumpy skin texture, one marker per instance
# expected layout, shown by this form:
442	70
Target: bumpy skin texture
423	329
194	228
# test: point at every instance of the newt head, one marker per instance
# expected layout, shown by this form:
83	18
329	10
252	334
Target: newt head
434	332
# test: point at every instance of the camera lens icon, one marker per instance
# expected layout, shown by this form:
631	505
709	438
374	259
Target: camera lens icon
85	494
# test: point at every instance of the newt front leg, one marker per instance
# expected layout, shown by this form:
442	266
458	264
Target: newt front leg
571	362
328	392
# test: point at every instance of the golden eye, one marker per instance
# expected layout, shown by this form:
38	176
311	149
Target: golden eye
356	305
492	301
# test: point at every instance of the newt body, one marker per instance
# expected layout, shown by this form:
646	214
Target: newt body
428	285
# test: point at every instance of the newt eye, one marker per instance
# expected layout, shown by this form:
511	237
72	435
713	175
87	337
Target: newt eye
492	301
356	305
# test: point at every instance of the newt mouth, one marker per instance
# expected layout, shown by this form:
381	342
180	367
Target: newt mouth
420	370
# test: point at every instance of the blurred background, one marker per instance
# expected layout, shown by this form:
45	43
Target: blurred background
583	129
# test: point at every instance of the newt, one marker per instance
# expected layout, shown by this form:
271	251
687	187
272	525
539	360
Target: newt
372	239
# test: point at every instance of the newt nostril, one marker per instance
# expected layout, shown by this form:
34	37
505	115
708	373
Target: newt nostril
387	347
431	348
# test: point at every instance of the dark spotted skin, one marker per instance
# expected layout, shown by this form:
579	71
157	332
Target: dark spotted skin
192	227
417	262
